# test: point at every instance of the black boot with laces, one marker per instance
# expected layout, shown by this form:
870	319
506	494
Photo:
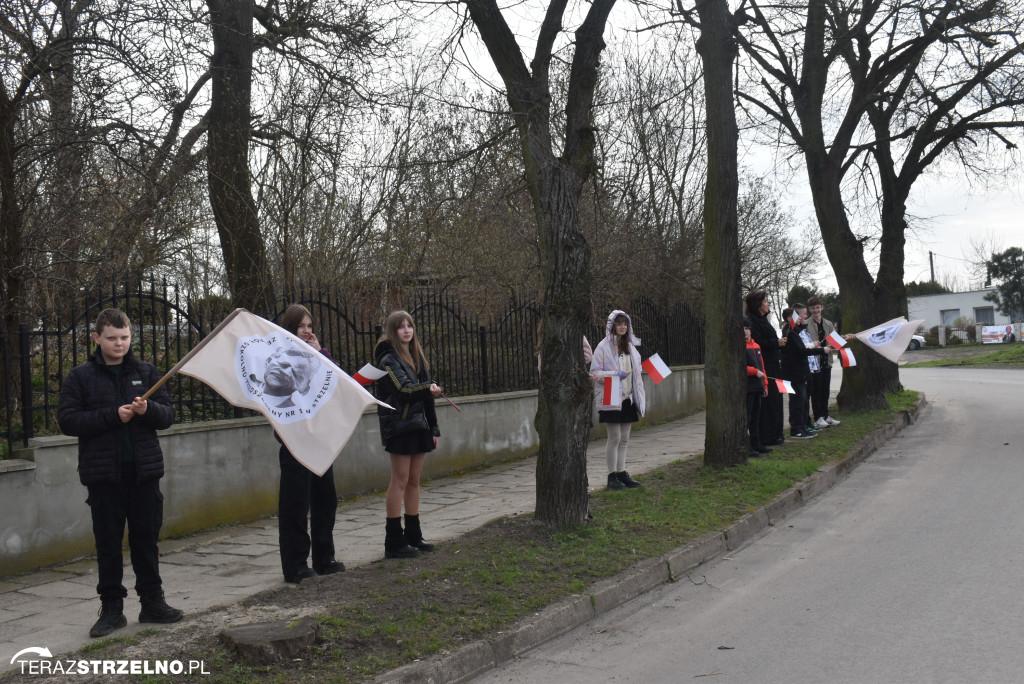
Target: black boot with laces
111	618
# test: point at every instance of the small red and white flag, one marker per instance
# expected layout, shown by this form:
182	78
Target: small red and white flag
836	340
847	358
656	368
794	318
368	374
612	391
785	386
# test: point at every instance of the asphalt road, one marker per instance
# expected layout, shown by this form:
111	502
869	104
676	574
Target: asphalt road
910	570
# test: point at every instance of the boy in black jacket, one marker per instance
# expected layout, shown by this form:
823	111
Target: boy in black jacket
120	462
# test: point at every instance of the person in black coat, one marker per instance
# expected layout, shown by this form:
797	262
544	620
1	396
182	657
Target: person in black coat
409	433
796	368
120	463
302	494
761	331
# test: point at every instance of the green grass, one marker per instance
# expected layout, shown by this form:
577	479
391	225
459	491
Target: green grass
1011	355
384	615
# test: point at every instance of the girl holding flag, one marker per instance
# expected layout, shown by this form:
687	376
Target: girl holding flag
408	433
616	357
302	493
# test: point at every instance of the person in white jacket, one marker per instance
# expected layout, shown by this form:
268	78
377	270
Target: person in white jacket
617	356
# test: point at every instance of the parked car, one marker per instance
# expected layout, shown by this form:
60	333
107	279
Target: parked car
916	342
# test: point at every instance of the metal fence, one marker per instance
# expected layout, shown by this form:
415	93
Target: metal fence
469	354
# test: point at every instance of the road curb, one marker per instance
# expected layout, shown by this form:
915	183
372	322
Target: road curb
554	621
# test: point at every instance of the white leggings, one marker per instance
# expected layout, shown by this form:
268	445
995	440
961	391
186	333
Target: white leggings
618	442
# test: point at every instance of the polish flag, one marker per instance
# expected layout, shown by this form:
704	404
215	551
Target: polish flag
846	355
368	374
785	386
612	391
794	318
836	340
656	368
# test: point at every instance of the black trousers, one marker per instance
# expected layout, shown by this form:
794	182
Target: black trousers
771	415
820	387
141	506
754	418
302	493
798	406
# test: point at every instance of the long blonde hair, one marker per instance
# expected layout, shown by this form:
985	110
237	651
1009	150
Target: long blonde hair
414	355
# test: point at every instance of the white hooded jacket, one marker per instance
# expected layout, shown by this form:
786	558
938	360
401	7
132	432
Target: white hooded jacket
606	363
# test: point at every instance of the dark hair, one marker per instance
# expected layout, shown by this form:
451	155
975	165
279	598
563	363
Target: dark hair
798	305
292	317
753	302
815	301
115	318
623	341
786	313
746	322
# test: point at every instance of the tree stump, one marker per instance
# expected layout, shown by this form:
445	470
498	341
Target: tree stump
264	643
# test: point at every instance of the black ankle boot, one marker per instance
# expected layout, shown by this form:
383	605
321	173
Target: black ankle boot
626	480
155	609
413	535
395	545
614	482
111	618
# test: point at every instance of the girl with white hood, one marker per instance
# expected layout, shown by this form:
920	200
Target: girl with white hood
617	356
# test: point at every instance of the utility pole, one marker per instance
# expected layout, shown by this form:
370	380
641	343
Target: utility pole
931	263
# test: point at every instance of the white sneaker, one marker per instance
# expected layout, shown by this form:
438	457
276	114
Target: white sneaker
832	421
821	422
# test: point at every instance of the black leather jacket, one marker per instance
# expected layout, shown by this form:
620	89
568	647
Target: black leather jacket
89	398
407	391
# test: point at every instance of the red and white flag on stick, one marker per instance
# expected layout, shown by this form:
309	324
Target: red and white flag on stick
847	358
368	374
836	340
785	386
794	318
310	402
656	368
611	396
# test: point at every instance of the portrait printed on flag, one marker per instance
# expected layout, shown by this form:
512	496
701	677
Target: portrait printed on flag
289	379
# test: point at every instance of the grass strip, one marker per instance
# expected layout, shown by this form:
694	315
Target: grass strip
384	615
1012	355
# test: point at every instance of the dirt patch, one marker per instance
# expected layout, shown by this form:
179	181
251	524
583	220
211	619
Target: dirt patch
951	354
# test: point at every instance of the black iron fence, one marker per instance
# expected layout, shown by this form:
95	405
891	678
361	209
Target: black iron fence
469	354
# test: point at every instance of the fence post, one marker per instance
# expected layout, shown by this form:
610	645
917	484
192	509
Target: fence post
484	384
24	358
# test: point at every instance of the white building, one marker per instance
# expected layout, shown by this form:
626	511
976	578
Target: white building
943	309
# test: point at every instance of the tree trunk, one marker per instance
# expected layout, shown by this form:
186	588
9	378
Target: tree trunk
234	208
726	442
12	279
565	401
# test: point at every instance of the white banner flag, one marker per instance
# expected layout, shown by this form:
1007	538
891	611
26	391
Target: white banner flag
890	339
310	402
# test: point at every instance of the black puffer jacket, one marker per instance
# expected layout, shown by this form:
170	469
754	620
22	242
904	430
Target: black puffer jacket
794	356
89	398
407	391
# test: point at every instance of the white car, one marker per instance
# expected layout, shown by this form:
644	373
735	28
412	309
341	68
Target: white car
916	342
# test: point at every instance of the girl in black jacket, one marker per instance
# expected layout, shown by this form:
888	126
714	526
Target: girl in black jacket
408	433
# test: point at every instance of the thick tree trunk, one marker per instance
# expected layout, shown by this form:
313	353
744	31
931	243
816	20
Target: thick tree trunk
234	208
726	442
565	401
12	278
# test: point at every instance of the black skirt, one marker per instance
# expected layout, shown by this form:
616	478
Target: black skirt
410	444
627	414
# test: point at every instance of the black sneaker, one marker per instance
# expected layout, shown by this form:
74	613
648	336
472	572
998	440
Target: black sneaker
329	568
625	479
802	434
297	577
155	609
401	551
762	449
111	618
614	483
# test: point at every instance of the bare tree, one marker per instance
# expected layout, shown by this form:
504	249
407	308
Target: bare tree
906	82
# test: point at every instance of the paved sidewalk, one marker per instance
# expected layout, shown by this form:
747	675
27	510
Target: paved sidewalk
54	608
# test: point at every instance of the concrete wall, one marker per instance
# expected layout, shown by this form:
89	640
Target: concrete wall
227	471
